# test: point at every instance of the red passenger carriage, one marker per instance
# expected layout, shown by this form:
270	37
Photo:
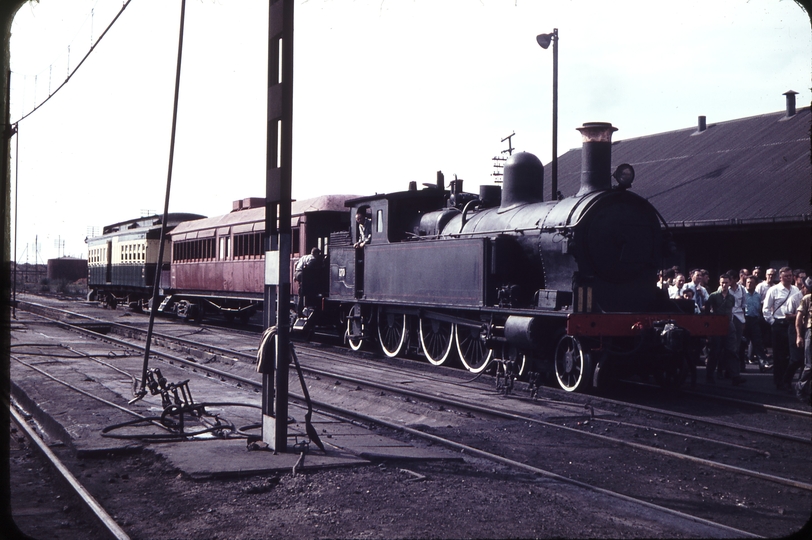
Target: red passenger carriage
218	263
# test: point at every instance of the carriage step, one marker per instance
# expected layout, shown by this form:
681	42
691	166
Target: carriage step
164	304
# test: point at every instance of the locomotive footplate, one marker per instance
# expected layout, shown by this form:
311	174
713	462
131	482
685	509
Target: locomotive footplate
631	324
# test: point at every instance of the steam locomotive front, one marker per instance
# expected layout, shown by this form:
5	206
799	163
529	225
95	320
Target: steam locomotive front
594	251
604	243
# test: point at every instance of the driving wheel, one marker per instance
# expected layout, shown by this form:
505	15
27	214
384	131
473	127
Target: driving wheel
436	339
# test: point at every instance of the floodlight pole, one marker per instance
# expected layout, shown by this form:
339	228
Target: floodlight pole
544	41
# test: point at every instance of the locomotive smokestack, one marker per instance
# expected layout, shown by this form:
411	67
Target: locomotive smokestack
596	157
523	181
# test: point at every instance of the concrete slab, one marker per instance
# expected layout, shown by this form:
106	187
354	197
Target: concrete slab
365	443
231	458
78	420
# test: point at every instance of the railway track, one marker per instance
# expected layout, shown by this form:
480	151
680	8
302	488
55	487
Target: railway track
201	348
575	423
78	491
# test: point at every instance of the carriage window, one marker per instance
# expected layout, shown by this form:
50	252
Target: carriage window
380	221
294	242
192	250
248	245
224	247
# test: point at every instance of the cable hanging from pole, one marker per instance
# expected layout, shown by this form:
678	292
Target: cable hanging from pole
156	285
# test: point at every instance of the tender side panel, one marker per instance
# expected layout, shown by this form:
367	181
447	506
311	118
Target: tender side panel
442	272
342	273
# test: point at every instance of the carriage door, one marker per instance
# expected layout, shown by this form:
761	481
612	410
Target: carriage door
108	273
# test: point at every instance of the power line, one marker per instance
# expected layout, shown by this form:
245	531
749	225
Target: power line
71	73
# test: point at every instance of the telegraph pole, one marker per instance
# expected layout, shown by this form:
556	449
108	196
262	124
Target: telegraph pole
279	153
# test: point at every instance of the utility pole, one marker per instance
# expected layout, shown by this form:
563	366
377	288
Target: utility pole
499	161
279	152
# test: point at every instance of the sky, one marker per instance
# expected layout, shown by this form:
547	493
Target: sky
385	92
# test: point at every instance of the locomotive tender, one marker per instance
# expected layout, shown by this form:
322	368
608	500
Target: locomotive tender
564	286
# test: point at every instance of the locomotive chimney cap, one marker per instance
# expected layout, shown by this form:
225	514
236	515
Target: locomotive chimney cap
596	157
596	132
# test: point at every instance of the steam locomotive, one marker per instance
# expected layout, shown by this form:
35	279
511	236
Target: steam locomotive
564	286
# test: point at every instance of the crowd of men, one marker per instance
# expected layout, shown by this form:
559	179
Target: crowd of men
770	310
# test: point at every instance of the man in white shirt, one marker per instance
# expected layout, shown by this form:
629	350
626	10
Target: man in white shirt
770	278
700	293
737	291
675	290
776	313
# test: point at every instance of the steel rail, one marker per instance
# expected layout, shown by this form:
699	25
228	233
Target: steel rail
513	416
502	414
523	418
88	499
523	466
750	404
184	341
719	423
157	354
85	393
232	353
498	458
408	392
618	423
509	415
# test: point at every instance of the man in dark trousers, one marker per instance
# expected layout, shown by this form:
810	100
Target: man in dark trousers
305	273
803	326
752	323
723	349
776	313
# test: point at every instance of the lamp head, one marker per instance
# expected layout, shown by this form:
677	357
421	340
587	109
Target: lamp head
624	175
544	40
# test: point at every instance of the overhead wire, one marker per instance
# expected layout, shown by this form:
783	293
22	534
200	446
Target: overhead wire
82	61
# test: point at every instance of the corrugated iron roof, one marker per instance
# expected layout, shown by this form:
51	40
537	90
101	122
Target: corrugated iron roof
750	170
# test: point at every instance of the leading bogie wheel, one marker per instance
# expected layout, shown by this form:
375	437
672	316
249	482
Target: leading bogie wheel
392	332
672	372
355	328
474	354
521	365
573	365
436	340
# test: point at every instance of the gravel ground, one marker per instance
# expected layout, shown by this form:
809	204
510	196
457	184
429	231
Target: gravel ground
448	499
471	499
